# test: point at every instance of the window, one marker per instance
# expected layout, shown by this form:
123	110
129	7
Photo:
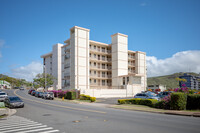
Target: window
103	66
90	54
103	50
127	80
95	64
90	63
90	46
103	57
94	47
90	81
90	72
95	81
103	82
123	80
103	74
94	55
95	72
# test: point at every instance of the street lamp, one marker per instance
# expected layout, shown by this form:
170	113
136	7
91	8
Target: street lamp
45	77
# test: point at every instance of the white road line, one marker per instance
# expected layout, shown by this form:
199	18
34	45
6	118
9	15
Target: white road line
36	130
24	129
11	127
52	131
17	125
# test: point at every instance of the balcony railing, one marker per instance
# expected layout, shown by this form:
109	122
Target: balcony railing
101	75
101	50
67	56
101	67
67	65
131	57
131	71
101	59
67	74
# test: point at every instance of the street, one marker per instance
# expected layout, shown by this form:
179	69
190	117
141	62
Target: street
79	118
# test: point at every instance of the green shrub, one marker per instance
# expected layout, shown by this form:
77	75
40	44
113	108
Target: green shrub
139	101
160	104
71	95
2	105
193	101
92	99
178	101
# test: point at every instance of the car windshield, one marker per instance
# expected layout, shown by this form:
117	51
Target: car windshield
15	99
2	93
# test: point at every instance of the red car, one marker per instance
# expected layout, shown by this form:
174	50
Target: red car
29	92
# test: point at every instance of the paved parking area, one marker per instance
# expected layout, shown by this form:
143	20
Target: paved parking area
110	100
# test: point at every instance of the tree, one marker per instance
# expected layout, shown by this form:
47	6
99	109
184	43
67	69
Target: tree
39	81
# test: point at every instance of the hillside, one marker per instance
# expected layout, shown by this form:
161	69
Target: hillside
168	80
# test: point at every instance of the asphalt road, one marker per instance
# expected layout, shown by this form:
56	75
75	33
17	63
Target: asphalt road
79	118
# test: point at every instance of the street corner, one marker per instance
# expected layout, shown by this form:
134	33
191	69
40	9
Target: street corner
7	111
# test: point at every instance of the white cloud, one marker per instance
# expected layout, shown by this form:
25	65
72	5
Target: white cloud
27	72
143	4
2	42
185	61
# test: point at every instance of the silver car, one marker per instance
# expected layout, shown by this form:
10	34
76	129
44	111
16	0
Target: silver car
48	95
146	96
14	102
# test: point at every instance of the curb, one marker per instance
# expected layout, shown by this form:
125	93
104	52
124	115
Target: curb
7	112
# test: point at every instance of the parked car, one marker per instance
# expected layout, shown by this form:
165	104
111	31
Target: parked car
38	94
164	94
29	92
3	95
13	102
48	95
33	93
146	96
21	88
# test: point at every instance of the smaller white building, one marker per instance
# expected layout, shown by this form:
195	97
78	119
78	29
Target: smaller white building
4	84
156	87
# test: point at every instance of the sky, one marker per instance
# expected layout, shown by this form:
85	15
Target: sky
167	30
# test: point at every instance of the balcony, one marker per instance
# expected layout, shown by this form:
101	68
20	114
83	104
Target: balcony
131	57
66	65
131	71
101	76
67	74
98	50
107	60
67	56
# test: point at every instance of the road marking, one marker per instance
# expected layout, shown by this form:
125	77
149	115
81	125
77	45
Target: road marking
87	110
52	131
17	125
14	130
22	126
35	130
13	124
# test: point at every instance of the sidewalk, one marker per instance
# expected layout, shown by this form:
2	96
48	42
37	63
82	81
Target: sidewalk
7	111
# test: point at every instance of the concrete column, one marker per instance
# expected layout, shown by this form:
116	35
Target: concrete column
79	42
119	57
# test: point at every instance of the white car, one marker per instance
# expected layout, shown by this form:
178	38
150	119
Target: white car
3	96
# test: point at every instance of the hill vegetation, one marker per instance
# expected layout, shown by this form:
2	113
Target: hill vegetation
168	80
14	81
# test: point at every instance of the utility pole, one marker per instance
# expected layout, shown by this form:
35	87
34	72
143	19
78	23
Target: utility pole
45	77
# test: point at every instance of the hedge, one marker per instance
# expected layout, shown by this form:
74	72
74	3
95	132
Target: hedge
139	101
193	101
178	101
87	97
71	95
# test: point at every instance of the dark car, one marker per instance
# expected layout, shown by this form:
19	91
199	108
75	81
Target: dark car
38	94
33	93
29	92
13	102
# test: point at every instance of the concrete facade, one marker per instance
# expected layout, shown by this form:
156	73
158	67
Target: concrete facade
96	68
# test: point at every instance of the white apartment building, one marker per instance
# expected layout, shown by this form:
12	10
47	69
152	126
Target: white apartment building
95	68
